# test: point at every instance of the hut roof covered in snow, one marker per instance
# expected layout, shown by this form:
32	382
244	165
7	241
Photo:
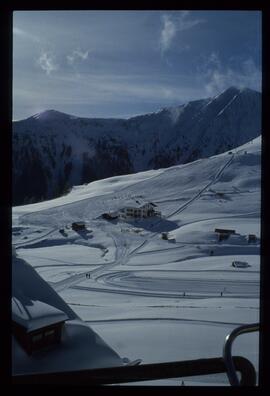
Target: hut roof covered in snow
35	314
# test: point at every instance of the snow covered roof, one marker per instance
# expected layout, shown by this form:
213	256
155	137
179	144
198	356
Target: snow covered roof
131	204
81	347
35	314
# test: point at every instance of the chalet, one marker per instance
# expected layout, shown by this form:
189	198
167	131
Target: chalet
164	235
240	264
251	238
223	234
223	237
36	306
142	211
224	231
36	325
78	225
110	215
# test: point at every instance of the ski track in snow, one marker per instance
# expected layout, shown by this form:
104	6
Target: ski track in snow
180	284
214	180
183	244
148	293
34	240
193	285
168	319
196	196
122	255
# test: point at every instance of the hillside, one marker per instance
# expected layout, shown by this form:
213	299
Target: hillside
149	298
53	151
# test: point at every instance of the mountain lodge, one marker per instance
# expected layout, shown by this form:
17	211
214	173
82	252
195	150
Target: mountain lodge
142	211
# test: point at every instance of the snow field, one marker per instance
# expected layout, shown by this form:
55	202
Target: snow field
147	297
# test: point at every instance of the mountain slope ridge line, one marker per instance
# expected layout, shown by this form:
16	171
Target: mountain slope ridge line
59	152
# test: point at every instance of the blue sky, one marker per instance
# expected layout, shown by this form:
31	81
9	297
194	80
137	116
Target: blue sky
123	63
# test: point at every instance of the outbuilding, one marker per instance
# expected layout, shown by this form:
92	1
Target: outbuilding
36	325
252	238
164	235
78	225
240	264
224	233
110	215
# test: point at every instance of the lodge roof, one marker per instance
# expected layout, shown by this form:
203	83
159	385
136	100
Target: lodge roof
138	205
224	231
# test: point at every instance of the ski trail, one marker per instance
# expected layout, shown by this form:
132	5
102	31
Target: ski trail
34	240
249	214
121	257
196	196
133	252
167	319
175	295
68	282
182	244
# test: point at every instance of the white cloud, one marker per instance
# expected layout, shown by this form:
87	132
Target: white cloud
168	32
47	63
174	24
184	23
217	77
77	54
23	34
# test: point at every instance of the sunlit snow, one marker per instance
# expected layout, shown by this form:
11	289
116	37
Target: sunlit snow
152	298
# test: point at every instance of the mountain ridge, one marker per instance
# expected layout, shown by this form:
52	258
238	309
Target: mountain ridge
58	150
52	113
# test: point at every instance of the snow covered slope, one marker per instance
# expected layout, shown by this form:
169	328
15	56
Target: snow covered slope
58	150
149	297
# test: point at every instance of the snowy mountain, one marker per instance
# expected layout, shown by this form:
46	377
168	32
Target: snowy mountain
148	297
53	151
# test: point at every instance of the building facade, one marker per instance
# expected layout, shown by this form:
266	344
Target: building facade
143	211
